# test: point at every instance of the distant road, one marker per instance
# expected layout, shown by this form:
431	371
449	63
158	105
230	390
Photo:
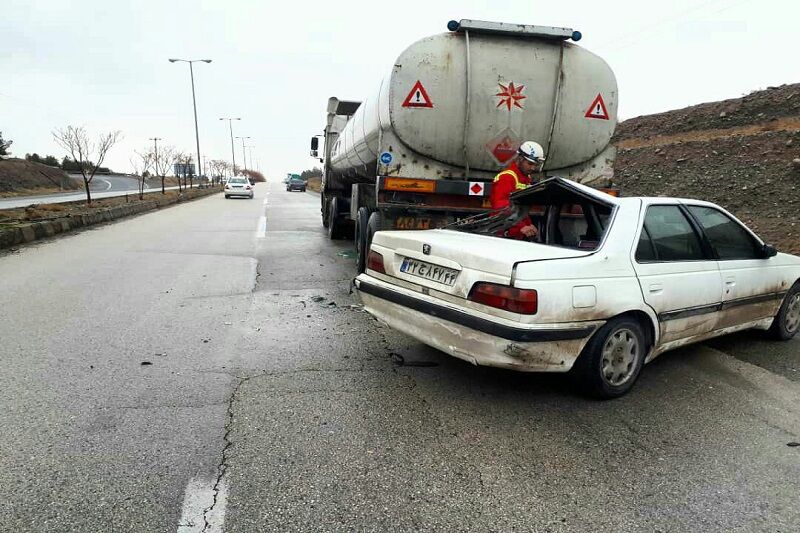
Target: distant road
102	186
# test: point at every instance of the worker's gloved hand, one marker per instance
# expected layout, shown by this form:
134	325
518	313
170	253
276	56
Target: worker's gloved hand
529	232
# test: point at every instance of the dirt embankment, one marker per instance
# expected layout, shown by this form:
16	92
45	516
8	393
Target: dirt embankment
743	154
21	176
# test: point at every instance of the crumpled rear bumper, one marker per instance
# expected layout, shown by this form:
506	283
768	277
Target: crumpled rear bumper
481	340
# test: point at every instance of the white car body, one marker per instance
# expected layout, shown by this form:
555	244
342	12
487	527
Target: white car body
238	186
677	302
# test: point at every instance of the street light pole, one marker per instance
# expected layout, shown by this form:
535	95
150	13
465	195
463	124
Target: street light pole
155	160
230	126
194	105
250	152
243	155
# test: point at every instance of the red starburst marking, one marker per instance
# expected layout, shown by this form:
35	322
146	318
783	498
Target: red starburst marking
510	95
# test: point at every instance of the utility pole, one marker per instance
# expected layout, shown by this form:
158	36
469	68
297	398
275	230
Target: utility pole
155	160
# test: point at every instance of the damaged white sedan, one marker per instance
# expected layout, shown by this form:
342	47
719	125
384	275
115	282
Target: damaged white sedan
610	284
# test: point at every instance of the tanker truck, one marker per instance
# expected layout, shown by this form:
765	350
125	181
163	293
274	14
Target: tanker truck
423	149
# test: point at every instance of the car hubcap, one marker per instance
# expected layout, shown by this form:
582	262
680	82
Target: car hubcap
620	353
793	314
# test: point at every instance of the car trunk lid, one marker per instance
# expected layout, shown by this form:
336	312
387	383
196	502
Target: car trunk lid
452	261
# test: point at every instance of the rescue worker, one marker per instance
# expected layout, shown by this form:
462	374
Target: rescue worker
517	176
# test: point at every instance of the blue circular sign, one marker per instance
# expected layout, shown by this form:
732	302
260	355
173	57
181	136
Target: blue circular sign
386	158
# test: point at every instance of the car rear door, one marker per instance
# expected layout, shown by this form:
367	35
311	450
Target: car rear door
752	287
677	274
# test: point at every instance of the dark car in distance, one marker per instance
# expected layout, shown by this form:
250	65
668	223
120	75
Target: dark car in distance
296	184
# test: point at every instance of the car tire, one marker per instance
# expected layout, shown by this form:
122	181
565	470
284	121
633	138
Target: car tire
227	197
787	322
361	239
612	360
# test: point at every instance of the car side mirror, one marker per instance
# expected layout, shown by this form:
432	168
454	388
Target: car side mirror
768	251
314	143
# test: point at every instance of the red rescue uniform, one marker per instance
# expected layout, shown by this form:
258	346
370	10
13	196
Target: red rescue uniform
506	182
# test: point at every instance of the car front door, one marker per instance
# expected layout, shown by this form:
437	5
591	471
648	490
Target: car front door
752	288
678	276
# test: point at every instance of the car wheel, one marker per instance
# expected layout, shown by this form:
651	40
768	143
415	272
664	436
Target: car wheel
787	322
227	197
612	360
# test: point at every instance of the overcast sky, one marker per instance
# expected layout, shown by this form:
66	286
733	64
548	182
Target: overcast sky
103	64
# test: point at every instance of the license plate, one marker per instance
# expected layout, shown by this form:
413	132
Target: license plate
439	274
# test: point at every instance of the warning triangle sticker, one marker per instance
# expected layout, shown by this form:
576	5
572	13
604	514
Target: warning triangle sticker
597	109
418	97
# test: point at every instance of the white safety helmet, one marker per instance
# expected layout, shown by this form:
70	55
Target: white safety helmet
532	151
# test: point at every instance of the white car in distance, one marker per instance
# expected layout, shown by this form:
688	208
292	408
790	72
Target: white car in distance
611	284
238	186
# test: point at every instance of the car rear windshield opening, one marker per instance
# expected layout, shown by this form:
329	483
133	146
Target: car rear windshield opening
567	220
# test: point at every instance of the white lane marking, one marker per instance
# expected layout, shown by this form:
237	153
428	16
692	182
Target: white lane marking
266	200
261	232
107	183
198	499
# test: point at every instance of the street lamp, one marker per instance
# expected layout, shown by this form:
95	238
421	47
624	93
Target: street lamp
194	104
233	156
250	152
243	155
155	159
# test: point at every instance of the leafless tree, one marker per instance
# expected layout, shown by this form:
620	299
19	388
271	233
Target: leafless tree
185	159
87	153
141	163
218	169
163	161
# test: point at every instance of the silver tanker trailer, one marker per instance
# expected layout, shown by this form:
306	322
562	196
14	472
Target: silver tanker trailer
423	149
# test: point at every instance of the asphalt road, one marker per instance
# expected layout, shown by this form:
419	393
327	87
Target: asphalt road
102	186
273	403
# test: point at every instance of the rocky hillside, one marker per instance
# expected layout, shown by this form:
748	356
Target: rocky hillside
743	154
20	176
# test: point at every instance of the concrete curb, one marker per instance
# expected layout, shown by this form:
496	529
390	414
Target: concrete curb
25	233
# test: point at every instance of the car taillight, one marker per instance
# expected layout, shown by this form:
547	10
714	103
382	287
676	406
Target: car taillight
523	301
375	262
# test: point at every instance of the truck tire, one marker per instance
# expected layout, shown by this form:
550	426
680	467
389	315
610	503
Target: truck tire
361	239
373	224
612	360
334	222
787	322
324	209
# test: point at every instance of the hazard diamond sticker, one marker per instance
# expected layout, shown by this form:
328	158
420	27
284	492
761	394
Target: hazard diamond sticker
503	146
597	109
476	188
418	97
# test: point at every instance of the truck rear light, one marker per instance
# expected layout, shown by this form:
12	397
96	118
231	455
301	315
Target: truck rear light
375	262
523	301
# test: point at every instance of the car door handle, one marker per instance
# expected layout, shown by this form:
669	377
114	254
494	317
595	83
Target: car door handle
656	288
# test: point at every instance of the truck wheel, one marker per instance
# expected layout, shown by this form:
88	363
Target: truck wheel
324	210
361	238
787	322
334	224
611	361
373	224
